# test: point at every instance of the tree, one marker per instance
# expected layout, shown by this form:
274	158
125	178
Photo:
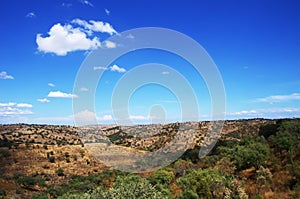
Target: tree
288	137
161	176
206	183
60	172
187	194
133	187
249	152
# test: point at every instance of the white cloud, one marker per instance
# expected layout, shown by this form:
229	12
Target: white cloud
12	108
84	89
4	75
244	113
24	105
267	113
106	118
117	69
110	44
107	11
67	5
100	68
53	120
130	36
51	84
78	35
44	100
7	104
59	94
95	26
85	117
165	73
86	2
114	68
30	15
64	39
279	98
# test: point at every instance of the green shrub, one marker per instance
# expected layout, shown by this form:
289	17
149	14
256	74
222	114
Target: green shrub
51	159
60	172
187	194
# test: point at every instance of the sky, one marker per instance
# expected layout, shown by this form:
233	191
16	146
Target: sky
44	43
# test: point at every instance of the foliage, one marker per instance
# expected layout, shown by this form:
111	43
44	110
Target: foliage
133	187
268	130
51	159
161	176
264	175
41	195
181	166
249	152
288	137
60	172
208	183
30	181
187	194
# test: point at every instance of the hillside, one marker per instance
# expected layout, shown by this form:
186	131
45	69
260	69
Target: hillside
45	159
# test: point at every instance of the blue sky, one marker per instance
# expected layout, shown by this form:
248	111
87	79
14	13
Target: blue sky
255	45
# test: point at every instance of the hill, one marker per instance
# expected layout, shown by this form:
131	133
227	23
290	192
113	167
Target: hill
49	161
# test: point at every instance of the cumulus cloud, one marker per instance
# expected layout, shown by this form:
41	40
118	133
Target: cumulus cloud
65	38
85	117
117	69
4	75
92	26
30	15
279	98
44	100
110	44
78	35
59	94
51	84
12	108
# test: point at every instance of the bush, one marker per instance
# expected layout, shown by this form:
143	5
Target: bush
268	130
249	152
30	181
41	195
187	194
161	177
60	172
4	152
133	187
207	183
2	192
51	159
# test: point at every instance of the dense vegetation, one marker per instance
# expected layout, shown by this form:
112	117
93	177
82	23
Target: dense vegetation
263	165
